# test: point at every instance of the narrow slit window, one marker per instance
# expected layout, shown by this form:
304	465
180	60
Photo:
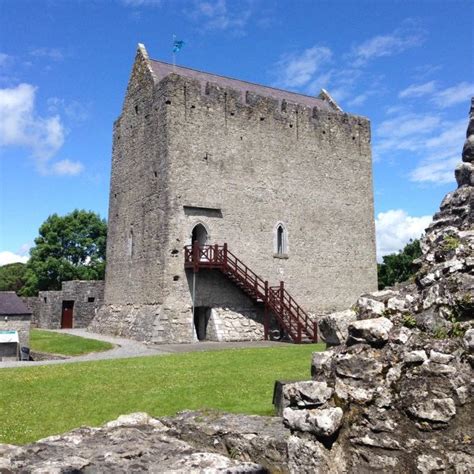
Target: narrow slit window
130	243
280	242
280	236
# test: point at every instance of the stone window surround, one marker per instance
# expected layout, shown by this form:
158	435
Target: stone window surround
193	225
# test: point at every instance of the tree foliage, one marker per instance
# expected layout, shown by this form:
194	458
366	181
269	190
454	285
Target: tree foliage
70	247
12	276
398	267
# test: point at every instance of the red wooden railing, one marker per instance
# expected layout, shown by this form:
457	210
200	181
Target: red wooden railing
289	314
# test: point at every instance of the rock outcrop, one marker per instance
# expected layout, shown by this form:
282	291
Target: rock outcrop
190	442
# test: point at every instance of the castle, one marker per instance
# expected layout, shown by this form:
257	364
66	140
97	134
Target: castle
283	179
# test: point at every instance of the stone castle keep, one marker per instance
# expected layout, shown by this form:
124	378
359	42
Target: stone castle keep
285	180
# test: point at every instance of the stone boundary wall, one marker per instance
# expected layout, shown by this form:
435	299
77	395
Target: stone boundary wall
47	306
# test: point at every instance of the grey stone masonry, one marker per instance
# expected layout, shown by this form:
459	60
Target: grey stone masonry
86	297
284	179
20	323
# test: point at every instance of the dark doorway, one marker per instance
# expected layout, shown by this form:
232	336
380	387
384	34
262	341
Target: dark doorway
199	235
201	318
67	315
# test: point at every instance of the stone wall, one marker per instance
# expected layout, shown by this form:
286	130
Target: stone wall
227	325
20	323
47	306
188	152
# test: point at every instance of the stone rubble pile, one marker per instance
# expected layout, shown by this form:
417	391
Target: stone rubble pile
394	393
391	399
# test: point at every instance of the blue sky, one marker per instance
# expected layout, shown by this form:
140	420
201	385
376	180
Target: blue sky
64	67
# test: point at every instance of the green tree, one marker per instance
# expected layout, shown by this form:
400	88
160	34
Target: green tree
398	267
70	247
12	276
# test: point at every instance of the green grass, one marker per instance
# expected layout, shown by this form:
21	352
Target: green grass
44	400
65	344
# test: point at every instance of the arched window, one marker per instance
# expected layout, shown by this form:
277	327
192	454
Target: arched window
280	240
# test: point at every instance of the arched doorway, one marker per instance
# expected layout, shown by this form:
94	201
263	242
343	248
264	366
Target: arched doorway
199	235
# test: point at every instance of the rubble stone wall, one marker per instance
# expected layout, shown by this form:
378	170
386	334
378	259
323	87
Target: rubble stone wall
47	306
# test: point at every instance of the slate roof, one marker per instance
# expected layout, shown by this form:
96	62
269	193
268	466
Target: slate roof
162	69
11	304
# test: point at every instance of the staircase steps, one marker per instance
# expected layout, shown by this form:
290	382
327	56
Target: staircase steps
290	316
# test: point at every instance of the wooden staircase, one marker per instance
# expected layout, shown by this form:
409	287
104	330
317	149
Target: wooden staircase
290	316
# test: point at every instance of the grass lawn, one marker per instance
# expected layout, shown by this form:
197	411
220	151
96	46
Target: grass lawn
65	344
40	401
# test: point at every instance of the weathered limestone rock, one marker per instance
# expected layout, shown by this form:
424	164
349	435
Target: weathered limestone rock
469	340
465	174
334	327
322	422
468	149
368	307
190	442
373	331
414	357
435	409
306	394
321	364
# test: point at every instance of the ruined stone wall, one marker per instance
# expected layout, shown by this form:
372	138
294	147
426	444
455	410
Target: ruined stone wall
17	322
46	308
32	303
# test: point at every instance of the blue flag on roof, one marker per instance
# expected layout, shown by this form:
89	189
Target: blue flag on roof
177	45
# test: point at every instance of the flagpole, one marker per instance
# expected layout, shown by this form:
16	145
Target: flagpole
174	54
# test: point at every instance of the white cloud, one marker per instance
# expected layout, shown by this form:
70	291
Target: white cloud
387	45
221	14
7	257
395	228
66	167
418	90
73	109
442	154
297	70
457	94
358	100
435	171
141	3
4	59
406	131
434	143
55	54
22	126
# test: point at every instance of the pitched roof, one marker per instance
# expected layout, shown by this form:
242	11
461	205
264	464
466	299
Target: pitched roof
162	69
10	303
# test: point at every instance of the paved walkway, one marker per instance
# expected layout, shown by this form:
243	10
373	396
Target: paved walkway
125	348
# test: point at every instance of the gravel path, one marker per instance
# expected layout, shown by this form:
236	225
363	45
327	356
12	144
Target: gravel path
125	348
